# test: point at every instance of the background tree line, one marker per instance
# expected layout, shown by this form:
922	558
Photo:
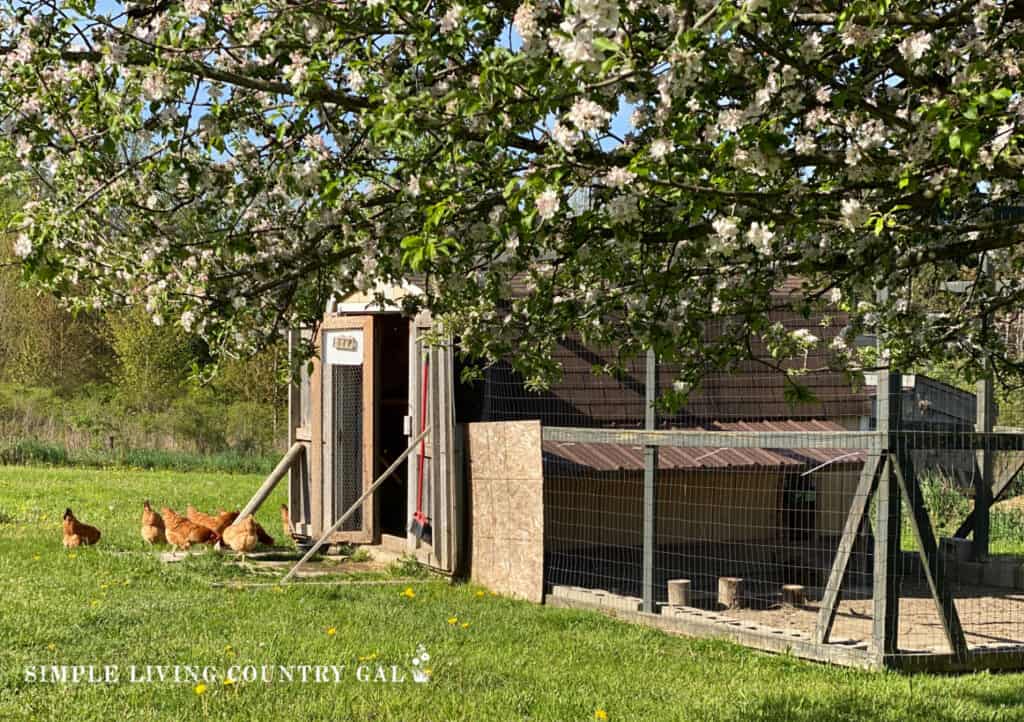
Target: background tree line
114	381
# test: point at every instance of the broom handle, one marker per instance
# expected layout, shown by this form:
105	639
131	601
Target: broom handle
357	503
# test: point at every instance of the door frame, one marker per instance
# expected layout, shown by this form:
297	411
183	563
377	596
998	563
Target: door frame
322	489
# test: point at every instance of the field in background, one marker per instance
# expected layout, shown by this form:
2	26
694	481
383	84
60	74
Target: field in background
117	603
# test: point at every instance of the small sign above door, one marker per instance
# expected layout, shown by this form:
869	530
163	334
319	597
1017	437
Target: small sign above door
343	348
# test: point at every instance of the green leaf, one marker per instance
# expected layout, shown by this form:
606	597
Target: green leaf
954	140
1002	94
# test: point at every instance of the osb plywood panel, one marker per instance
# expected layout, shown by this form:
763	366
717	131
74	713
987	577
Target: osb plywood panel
506	492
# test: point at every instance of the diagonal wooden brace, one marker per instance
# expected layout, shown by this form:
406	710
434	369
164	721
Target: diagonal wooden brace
854	520
998	489
927	549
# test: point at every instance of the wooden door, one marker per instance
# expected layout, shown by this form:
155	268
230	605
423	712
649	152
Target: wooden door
343	391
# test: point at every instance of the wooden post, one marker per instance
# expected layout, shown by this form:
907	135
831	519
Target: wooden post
268	486
886	584
730	592
679	592
793	594
983	481
650	472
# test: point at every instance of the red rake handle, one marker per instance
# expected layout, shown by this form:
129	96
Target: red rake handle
423	441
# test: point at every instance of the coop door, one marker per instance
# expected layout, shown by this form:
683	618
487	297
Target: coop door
347	426
441	468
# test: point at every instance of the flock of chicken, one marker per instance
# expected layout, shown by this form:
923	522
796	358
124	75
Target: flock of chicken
183	531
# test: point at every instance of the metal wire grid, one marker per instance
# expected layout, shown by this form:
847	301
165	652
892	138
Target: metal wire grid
347	385
755	529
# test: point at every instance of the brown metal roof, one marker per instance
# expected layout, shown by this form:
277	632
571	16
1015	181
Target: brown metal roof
626	457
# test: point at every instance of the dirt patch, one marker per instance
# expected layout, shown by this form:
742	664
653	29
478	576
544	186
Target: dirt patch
989	616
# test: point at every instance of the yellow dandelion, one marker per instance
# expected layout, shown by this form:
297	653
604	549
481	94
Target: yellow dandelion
51	646
428	672
600	715
72	555
228	681
199	688
465	625
453	620
331	631
481	594
36	557
95	602
368	658
409	593
104	586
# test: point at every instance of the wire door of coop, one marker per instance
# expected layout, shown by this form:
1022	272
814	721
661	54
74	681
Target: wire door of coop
344	390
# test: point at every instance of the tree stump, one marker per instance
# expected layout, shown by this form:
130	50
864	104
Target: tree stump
730	592
679	592
793	595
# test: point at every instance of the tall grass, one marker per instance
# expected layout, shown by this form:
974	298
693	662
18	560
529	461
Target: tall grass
31	452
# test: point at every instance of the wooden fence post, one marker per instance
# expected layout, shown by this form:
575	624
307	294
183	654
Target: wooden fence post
886	581
983	481
650	472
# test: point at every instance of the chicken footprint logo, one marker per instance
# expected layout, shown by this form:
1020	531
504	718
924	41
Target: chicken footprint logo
420	670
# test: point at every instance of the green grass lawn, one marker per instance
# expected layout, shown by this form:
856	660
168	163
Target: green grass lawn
117	604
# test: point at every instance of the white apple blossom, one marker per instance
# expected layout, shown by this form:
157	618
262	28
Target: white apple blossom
22	246
618	177
587	115
451	19
726	228
548	203
760	237
853	213
914	47
660	148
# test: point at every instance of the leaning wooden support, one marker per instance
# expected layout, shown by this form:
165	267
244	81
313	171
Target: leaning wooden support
357	503
854	521
927	549
1000	487
275	476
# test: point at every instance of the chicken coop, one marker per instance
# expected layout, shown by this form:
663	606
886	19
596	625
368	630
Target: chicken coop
799	527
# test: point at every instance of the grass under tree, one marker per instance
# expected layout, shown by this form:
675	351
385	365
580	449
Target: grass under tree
500	659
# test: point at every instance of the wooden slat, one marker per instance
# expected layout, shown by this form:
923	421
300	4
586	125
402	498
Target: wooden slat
854	521
928	550
853	440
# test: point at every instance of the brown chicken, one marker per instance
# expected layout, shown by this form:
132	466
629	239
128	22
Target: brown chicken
76	533
152	525
286	522
216	523
183	533
261	533
241	536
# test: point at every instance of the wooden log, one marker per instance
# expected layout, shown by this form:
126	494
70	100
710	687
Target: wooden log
794	594
730	592
679	592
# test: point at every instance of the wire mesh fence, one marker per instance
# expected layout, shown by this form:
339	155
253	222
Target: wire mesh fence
880	541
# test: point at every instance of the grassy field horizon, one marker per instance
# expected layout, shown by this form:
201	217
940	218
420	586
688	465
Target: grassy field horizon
486	657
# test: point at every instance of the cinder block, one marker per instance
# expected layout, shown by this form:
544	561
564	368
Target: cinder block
970	573
1000	573
959	550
